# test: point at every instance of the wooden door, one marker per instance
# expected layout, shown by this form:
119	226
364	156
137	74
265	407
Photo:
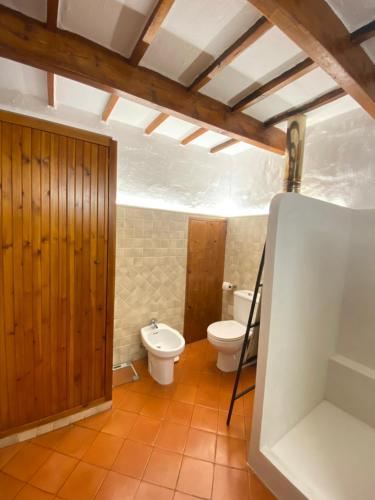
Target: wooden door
205	270
56	269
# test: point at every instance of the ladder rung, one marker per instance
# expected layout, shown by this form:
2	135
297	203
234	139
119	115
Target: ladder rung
245	391
257	323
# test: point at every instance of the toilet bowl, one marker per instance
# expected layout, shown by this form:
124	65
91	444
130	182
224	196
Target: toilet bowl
227	336
163	345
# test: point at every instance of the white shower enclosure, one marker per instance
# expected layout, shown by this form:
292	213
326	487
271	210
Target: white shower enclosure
314	415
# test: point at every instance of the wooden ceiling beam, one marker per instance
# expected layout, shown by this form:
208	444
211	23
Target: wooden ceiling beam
316	29
28	41
364	33
277	83
111	103
194	135
223	145
156	122
304	108
151	29
52	17
248	38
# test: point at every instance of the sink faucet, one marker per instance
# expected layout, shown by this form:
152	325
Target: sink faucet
154	324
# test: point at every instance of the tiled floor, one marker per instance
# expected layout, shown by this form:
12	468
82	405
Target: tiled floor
157	443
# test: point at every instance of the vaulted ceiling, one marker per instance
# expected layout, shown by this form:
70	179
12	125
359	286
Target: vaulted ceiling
242	70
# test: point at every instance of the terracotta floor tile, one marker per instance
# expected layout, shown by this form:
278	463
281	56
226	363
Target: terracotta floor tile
76	441
145	429
104	450
26	462
235	429
132	459
142	386
258	491
190	377
172	437
164	391
196	478
231	452
205	419
31	493
117	487
224	403
118	395
230	483
179	413
155	407
120	423
51	439
149	491
183	496
163	468
96	422
9	486
201	444
208	395
83	483
54	472
185	393
8	452
133	402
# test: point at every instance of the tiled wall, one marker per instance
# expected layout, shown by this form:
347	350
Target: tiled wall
150	275
245	240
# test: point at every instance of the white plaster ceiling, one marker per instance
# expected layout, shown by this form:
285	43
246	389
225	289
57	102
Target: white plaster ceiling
354	14
31	8
193	34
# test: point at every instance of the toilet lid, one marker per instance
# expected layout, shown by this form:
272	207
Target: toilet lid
227	330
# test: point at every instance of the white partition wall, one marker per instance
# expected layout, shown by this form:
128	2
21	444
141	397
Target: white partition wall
318	322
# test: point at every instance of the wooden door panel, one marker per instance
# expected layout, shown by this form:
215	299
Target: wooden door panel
54	274
205	269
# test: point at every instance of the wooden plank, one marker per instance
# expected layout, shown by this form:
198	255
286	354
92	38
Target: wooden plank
54	128
26	40
27	258
111	261
85	301
72	347
194	135
277	83
17	203
364	33
156	122
78	266
101	274
112	101
37	272
151	29
223	145
315	28
4	384
258	29
304	108
93	327
45	269
52	14
58	397
63	328
51	89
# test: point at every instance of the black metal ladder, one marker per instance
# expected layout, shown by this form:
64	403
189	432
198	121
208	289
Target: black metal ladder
253	359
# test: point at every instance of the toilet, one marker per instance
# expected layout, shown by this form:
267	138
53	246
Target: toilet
227	336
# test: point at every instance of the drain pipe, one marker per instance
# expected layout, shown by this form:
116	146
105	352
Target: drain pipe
295	145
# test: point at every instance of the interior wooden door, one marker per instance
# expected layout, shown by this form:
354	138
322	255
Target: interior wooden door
56	269
205	270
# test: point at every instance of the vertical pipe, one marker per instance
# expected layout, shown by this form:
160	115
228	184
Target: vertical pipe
295	143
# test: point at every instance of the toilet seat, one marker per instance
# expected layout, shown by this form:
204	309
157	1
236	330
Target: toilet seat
226	331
